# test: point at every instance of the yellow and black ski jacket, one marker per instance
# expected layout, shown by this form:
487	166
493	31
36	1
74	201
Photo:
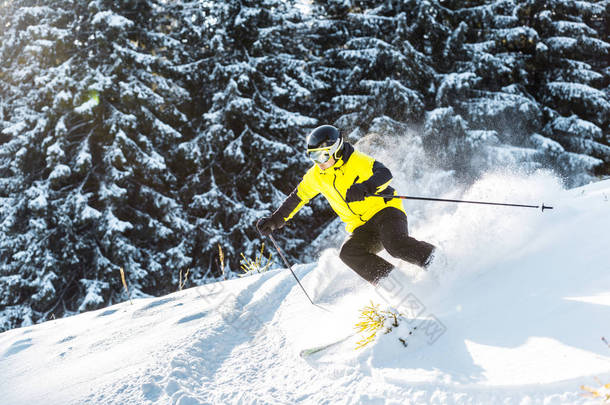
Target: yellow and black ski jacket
352	167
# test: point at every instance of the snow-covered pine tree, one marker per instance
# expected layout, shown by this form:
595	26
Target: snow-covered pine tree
145	230
39	159
383	59
572	79
506	79
488	50
247	153
365	56
90	115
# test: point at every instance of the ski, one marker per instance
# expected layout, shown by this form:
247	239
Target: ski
317	349
308	352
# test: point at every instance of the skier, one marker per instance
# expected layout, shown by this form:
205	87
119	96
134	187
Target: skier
348	178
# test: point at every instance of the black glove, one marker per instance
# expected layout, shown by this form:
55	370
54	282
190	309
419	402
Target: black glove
266	225
357	192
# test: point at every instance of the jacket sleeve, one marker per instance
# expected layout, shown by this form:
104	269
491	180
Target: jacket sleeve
300	196
381	178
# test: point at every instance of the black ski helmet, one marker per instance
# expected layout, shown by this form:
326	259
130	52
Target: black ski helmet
322	137
325	136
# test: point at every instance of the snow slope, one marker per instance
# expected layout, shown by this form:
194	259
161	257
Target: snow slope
516	318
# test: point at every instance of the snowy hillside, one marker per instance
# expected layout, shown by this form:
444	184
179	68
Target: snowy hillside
516	318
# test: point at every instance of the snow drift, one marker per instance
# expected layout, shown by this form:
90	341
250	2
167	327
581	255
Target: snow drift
516	317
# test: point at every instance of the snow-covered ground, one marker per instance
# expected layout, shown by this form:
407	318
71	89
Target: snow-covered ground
517	317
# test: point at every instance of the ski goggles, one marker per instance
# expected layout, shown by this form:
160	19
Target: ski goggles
320	155
323	155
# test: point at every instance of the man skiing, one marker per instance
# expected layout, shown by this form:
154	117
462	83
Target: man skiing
348	178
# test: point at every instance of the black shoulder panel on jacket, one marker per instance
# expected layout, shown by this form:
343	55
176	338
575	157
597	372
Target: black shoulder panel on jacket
381	175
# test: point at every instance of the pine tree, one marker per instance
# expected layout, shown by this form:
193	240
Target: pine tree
247	152
513	75
573	61
35	155
84	159
370	66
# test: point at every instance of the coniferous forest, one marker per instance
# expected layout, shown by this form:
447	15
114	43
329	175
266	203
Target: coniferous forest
151	135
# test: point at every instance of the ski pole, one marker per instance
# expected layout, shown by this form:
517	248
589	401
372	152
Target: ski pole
286	263
404	197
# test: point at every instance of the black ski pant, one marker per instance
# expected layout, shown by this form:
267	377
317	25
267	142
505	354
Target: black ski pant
387	229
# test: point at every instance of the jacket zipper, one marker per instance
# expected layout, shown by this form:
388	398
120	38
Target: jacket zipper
343	199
